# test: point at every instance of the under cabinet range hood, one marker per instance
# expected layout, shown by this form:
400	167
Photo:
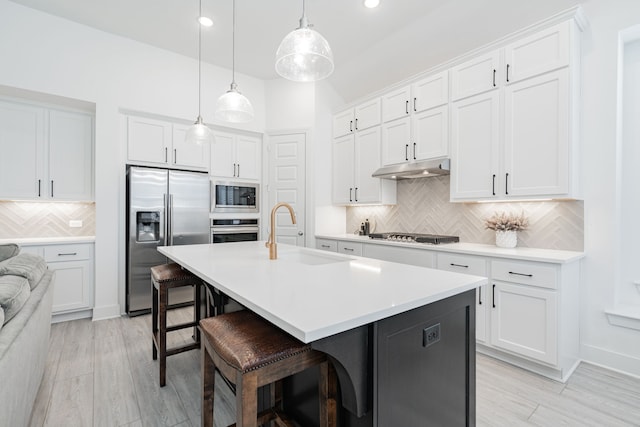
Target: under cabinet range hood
419	169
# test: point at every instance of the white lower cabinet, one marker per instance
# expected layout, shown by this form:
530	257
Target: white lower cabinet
524	321
470	265
73	285
410	256
527	314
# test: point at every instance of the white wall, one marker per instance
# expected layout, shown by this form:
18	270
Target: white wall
601	342
46	54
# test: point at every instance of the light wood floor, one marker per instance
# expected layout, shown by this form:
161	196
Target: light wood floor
102	374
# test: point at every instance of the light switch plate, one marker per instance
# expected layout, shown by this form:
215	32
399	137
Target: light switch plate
76	223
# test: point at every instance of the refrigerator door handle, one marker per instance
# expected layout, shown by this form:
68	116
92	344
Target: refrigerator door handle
170	210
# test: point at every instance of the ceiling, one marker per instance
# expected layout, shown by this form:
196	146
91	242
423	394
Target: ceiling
372	48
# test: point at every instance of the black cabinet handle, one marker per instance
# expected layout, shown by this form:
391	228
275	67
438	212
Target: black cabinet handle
494	78
51	188
175	155
356	124
406	107
493	296
351	126
506	183
520	274
356	192
459	265
69	254
493	186
238	170
406	152
348	249
39	188
479	296
351	194
507	73
414	151
414	104
325	246
165	154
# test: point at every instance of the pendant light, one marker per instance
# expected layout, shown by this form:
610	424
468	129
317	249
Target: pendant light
304	55
233	106
199	132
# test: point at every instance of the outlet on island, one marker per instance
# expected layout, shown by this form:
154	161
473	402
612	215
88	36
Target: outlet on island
75	223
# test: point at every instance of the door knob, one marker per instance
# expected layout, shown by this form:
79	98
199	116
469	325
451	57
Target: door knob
300	233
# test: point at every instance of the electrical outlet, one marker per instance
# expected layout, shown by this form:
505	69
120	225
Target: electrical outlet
431	335
76	223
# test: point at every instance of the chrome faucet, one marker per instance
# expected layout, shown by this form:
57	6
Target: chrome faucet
271	243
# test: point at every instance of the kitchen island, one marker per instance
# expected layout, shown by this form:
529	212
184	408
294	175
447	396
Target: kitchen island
400	337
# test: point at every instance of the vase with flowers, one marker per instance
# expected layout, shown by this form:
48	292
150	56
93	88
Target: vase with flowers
506	225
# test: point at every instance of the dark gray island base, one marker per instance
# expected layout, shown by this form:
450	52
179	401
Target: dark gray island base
413	369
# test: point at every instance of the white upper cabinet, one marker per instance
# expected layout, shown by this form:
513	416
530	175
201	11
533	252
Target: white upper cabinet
161	143
70	156
187	155
416	121
354	159
528	119
51	153
475	76
236	156
361	117
544	51
22	133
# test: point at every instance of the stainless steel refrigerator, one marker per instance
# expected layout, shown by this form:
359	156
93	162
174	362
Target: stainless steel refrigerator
164	208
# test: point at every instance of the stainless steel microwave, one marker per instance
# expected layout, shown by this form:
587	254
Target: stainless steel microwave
235	197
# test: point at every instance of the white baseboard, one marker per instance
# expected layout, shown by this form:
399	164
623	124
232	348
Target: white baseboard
74	315
106	312
611	360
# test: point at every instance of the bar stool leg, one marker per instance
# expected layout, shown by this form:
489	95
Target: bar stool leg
246	400
328	394
154	319
208	379
197	313
162	335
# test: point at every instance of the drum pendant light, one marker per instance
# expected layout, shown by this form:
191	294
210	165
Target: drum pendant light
199	132
233	106
304	55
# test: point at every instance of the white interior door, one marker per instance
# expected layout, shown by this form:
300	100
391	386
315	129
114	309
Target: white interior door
287	179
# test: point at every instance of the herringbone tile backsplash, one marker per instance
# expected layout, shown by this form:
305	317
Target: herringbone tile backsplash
424	207
43	219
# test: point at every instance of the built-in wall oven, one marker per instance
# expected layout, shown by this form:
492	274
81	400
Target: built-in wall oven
235	197
225	230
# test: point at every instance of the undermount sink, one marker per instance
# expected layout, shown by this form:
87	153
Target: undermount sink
310	258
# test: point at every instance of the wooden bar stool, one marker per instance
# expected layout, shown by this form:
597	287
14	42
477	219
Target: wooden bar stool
163	278
250	352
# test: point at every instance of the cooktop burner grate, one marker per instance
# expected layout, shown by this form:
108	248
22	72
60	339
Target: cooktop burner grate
433	239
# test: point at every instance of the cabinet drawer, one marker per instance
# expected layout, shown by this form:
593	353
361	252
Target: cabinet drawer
530	273
419	257
327	245
57	253
350	248
462	264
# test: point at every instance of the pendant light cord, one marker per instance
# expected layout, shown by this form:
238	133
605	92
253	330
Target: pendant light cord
199	58
233	47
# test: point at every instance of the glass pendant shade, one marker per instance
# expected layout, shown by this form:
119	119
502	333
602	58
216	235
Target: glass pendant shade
234	107
199	133
304	55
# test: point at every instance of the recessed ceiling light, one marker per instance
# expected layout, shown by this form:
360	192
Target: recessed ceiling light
205	22
371	3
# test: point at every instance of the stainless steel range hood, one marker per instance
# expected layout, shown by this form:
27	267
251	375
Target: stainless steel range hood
420	169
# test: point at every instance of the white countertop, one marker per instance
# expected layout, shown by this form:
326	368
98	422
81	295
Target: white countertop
527	254
49	240
314	294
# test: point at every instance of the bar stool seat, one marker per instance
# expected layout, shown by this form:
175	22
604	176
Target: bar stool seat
163	278
250	353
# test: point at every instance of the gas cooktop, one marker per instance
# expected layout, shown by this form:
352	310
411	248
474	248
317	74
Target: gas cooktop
433	239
